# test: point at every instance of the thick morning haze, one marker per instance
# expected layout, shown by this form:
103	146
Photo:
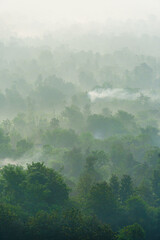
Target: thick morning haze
79	119
32	17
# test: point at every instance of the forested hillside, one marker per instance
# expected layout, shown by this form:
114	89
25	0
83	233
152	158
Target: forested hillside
79	144
79	120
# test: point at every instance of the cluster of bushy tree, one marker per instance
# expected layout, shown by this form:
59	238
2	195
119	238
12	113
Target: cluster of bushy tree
35	204
74	165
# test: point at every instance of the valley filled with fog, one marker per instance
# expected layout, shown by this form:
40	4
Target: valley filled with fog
79	120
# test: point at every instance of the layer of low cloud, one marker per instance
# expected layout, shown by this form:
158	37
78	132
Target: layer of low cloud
122	94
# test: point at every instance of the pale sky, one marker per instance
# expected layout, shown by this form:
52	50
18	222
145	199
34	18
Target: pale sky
23	15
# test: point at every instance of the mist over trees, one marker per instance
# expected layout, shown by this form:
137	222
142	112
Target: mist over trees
79	136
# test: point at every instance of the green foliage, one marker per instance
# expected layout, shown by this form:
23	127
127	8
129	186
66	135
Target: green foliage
10	225
5	147
61	138
89	175
71	224
74	162
137	210
37	186
156	182
102	200
54	123
45	185
115	185
132	232
96	122
22	147
74	117
12	178
126	188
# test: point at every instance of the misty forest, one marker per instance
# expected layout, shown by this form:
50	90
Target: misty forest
80	136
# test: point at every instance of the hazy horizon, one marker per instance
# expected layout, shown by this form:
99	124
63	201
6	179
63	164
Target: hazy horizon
35	18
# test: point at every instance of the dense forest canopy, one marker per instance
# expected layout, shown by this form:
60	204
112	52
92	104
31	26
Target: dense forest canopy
80	134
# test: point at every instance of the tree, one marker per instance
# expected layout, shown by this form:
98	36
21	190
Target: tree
137	211
102	201
97	125
45	185
12	179
126	188
156	182
152	156
22	147
74	117
70	224
36	187
115	185
44	226
61	138
54	123
5	147
10	225
143	76
89	176
132	232
74	162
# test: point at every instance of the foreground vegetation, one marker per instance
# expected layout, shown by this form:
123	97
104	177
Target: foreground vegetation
76	164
